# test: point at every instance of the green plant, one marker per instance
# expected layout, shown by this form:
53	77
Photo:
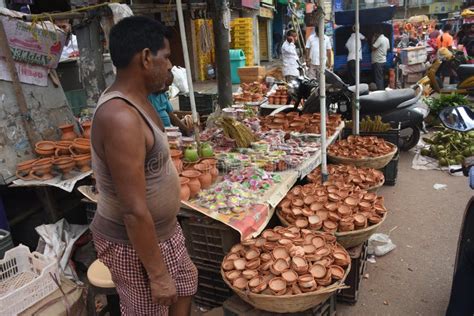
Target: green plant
436	104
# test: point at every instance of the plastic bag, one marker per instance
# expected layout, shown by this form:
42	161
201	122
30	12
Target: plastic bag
180	79
380	245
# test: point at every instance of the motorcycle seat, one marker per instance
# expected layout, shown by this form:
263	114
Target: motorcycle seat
465	71
380	101
363	89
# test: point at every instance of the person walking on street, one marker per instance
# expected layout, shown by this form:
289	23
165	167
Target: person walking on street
290	57
135	228
380	47
445	40
351	47
312	54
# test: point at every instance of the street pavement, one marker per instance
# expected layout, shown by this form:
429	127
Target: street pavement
415	278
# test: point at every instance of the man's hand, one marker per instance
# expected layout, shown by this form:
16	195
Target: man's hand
163	290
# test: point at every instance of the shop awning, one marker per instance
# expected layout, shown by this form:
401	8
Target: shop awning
366	16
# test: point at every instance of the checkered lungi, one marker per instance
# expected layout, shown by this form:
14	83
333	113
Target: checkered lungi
131	279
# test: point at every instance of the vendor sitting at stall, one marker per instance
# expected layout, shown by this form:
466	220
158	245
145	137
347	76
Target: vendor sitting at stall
163	107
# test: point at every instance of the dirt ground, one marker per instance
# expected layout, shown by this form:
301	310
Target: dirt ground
415	278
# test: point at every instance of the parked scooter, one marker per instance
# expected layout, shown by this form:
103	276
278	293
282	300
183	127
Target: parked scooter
461	303
401	107
454	64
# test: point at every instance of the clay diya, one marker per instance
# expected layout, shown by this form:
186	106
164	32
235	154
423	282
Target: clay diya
277	286
23	169
45	148
62	148
80	146
41	169
65	165
83	162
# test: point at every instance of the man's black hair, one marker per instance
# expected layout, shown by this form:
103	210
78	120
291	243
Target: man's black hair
290	32
438	27
447	27
132	35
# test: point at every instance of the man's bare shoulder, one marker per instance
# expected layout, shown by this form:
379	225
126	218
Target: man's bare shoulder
117	113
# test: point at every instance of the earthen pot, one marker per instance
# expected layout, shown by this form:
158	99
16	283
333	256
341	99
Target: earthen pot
65	165
194	183
278	286
45	148
62	148
185	192
23	169
205	178
83	162
176	159
67	131
41	169
86	126
214	171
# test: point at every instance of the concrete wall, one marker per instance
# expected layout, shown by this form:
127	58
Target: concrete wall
48	109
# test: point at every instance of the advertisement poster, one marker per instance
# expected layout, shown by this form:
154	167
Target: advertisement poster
39	45
30	74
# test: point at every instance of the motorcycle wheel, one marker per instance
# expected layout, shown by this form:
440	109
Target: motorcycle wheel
409	137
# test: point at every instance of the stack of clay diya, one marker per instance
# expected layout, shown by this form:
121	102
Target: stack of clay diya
251	92
331	207
279	97
286	261
305	123
358	147
65	155
365	178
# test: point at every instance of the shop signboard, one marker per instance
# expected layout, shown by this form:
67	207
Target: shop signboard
39	45
252	4
266	13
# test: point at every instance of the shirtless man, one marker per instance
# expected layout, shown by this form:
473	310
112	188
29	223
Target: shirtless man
135	229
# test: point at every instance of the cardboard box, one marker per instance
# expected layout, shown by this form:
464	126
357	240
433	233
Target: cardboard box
249	71
413	55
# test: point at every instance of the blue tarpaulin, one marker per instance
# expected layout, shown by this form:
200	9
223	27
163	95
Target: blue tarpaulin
366	16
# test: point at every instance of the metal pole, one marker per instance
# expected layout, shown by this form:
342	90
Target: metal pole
356	118
322	93
187	64
221	40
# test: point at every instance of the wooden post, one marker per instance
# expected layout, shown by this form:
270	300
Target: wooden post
221	39
91	59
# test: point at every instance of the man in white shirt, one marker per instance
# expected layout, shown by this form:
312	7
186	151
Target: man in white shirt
312	54
380	47
70	47
351	47
289	56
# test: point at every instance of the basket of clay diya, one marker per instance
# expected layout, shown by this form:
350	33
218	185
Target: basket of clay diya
351	213
369	179
362	151
286	269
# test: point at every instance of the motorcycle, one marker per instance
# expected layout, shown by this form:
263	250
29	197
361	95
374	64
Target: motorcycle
402	108
460	303
454	64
